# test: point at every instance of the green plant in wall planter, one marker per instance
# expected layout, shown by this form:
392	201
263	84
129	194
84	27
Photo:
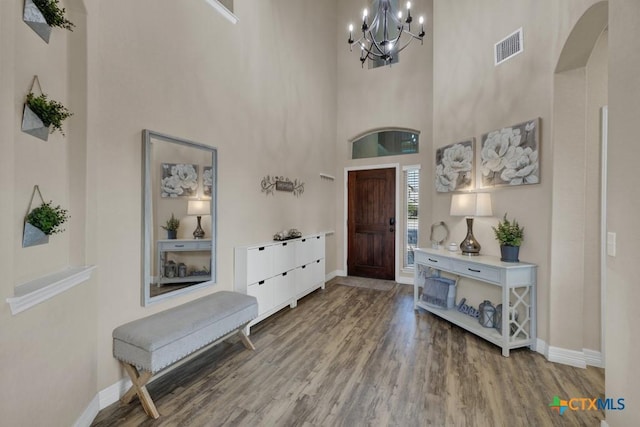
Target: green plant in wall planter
42	115
42	15
510	235
172	227
43	221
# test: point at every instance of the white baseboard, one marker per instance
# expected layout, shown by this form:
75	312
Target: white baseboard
603	423
331	275
405	280
89	414
113	393
336	273
567	357
593	358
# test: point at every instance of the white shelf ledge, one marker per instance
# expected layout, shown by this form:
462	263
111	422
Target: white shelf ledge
39	290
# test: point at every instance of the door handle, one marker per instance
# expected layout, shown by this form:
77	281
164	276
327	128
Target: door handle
392	221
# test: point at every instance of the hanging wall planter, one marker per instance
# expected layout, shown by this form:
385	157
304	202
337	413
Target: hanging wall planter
41	114
42	221
42	15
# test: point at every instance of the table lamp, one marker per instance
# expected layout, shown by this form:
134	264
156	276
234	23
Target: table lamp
470	205
199	208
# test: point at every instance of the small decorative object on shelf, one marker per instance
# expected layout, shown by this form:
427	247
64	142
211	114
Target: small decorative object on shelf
172	227
287	235
510	235
41	115
43	221
487	314
41	15
513	319
271	183
467	309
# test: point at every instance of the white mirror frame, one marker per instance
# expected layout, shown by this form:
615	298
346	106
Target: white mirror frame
148	188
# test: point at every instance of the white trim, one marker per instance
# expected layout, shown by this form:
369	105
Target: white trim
39	290
404	280
541	347
603	230
603	423
113	393
223	11
331	275
567	357
327	176
593	358
89	414
345	230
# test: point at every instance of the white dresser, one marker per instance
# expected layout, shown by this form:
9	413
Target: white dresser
518	287
279	273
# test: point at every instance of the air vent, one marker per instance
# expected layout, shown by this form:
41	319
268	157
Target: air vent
509	47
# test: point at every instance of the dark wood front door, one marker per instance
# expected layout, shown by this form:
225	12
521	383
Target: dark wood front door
371	223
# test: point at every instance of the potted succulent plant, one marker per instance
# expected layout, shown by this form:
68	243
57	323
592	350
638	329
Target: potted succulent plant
49	112
172	227
510	235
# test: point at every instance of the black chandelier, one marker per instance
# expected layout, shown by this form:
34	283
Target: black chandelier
381	39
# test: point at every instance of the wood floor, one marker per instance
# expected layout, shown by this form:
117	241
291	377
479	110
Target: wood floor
348	356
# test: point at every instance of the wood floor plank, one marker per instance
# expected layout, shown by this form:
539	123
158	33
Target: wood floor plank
349	356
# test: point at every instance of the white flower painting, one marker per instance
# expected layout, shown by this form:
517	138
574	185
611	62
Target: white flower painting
207	180
509	156
179	180
454	167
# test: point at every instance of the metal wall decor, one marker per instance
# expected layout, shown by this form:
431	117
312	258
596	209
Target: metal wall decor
34	18
270	184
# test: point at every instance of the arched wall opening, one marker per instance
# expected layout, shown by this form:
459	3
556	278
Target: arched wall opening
580	91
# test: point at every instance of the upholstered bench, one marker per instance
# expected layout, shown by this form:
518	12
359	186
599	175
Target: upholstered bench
158	341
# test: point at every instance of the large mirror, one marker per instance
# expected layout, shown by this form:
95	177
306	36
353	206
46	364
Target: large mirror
179	215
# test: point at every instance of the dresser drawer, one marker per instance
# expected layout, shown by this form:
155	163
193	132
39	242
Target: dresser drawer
480	272
432	261
189	245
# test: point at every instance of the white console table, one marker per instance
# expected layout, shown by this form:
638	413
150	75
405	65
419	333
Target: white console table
181	245
518	287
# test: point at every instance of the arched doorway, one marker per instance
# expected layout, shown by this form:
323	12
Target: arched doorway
580	92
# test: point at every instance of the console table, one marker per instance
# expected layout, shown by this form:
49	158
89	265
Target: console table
181	245
518	288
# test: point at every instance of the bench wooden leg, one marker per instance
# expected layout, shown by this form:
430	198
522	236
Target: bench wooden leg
246	341
139	387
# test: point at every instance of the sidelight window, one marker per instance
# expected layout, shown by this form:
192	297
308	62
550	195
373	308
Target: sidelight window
411	209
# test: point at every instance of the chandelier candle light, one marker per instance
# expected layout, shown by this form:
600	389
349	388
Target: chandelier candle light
470	205
199	208
382	38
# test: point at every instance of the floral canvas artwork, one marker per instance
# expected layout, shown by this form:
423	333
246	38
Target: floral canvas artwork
179	180
509	156
454	167
207	180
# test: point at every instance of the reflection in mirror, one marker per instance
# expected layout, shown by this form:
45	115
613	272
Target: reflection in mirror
179	216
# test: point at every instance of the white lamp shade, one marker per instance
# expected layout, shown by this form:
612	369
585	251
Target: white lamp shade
199	207
471	204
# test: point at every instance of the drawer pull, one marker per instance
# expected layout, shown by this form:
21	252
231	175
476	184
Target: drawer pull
304	240
475	271
317	237
284	274
433	260
304	266
261	248
261	282
284	244
179	246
